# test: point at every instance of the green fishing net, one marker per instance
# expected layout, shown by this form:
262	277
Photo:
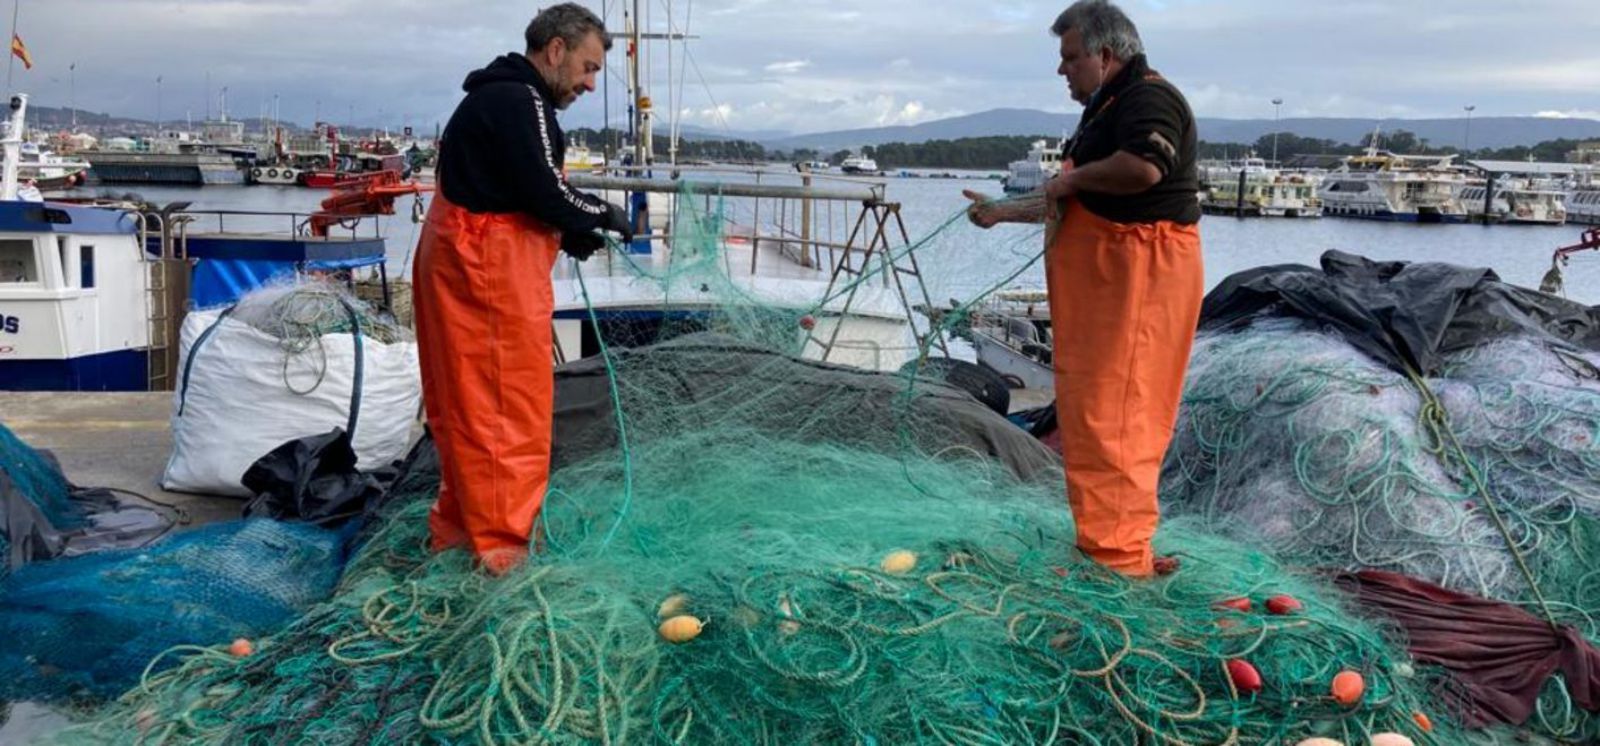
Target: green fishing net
1484	478
861	561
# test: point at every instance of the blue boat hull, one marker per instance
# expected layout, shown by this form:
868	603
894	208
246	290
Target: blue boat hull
124	370
1395	217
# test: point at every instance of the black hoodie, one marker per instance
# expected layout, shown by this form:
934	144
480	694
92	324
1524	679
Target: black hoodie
503	150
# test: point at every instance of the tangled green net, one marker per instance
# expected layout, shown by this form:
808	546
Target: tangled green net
997	635
859	569
1484	478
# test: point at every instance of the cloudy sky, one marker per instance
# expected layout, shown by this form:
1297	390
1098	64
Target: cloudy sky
815	65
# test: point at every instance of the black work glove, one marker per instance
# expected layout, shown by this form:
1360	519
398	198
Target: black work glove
581	245
617	222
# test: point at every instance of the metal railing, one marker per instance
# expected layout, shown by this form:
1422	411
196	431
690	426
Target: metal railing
366	226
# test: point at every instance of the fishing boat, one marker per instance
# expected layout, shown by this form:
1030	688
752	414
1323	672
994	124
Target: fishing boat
580	159
1011	333
1031	173
49	171
1251	188
92	294
785	237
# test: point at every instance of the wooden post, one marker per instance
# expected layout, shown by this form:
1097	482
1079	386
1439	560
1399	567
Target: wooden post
805	223
1238	202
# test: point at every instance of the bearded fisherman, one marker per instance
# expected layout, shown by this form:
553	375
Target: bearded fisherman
503	214
1125	278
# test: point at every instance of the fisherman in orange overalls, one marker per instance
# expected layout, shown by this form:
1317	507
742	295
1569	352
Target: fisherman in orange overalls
1125	276
483	297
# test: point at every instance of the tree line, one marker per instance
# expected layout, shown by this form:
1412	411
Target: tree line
997	153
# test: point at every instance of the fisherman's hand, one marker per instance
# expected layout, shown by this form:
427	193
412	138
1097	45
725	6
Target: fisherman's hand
617	222
980	212
581	245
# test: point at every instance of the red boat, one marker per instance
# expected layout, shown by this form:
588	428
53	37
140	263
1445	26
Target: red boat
367	164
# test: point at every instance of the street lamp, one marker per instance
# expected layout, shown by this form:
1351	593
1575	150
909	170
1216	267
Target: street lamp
1277	115
1466	143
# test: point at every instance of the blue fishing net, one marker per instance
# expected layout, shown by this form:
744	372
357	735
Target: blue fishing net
90	625
39	481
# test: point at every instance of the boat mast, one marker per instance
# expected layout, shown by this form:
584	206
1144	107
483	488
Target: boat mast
639	124
11	59
13	147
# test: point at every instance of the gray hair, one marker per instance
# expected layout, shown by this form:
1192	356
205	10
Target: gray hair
1103	26
569	22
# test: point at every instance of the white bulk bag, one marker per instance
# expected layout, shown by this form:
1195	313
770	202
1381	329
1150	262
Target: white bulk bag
242	393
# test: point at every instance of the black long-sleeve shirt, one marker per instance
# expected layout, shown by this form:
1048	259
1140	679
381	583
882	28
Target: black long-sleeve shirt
503	150
1140	112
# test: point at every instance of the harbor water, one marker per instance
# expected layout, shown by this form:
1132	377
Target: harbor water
1519	254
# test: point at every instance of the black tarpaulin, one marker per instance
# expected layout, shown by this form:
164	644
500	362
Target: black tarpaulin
705	365
110	520
314	480
1405	314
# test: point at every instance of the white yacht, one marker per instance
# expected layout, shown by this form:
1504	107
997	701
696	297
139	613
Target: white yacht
1030	174
1515	201
859	164
1249	187
1402	188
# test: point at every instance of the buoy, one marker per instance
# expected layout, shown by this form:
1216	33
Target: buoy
1405	671
681	629
672	606
1236	604
808	322
1423	722
1348	687
1245	676
1319	741
241	648
1283	605
1391	739
899	563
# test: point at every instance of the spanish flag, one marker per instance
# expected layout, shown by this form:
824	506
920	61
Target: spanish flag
20	51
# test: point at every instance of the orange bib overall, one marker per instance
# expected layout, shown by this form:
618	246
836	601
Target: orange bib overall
483	304
1124	304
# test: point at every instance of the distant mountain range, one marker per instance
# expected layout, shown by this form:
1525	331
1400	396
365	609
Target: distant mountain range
1487	132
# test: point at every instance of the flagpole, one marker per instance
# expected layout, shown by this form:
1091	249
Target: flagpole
11	59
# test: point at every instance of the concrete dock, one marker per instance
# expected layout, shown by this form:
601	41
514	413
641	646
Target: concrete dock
119	440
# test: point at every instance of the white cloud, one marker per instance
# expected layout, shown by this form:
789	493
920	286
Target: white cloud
788	68
821	64
1570	114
